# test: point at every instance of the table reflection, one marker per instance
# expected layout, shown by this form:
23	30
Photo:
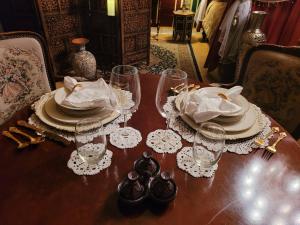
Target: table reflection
269	192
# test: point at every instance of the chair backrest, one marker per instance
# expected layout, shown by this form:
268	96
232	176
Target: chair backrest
270	75
25	71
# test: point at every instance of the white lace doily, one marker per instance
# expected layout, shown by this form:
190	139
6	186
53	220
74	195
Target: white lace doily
239	146
169	107
127	137
186	162
164	141
80	167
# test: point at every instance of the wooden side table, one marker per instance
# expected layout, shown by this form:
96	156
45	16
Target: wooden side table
183	24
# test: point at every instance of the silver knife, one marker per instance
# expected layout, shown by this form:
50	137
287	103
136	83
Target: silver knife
46	133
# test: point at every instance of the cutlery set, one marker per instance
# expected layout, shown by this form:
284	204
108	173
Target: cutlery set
31	140
20	143
271	149
179	88
261	141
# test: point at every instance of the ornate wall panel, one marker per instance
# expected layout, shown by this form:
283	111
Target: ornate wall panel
135	30
61	22
124	38
103	32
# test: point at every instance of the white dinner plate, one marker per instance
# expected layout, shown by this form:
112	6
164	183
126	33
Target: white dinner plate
257	127
239	100
246	121
55	112
232	124
43	116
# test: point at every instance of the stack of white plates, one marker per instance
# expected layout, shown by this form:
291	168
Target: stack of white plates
54	113
244	124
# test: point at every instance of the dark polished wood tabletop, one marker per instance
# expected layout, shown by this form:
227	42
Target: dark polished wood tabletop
37	188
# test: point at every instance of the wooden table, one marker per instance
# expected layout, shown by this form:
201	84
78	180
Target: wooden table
38	188
183	24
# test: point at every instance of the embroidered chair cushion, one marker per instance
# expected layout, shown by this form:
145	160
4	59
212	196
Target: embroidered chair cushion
23	74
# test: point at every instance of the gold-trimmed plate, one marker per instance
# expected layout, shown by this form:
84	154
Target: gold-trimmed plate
59	114
237	123
38	106
239	100
257	127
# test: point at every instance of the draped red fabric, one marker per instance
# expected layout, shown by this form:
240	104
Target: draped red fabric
280	24
291	32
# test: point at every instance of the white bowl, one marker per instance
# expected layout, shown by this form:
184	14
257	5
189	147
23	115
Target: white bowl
61	94
235	117
238	100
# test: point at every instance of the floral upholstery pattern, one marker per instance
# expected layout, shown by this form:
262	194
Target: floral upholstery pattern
272	81
23	78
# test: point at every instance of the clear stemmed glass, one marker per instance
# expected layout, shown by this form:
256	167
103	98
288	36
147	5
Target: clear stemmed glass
170	78
125	81
208	145
90	143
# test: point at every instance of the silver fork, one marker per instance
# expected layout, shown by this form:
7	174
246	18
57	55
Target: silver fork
271	149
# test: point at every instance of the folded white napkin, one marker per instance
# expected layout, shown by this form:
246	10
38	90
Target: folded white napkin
89	94
206	103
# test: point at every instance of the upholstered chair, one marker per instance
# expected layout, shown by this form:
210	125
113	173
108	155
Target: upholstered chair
270	76
25	71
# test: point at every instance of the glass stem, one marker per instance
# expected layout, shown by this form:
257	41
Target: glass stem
168	122
125	120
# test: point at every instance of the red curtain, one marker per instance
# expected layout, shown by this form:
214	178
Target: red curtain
282	24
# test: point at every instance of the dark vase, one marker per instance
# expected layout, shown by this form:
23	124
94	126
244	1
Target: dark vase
83	61
252	37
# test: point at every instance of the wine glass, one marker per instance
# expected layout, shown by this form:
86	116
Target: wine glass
125	81
208	145
90	143
170	78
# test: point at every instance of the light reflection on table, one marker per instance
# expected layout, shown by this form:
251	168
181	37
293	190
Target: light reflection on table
259	200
